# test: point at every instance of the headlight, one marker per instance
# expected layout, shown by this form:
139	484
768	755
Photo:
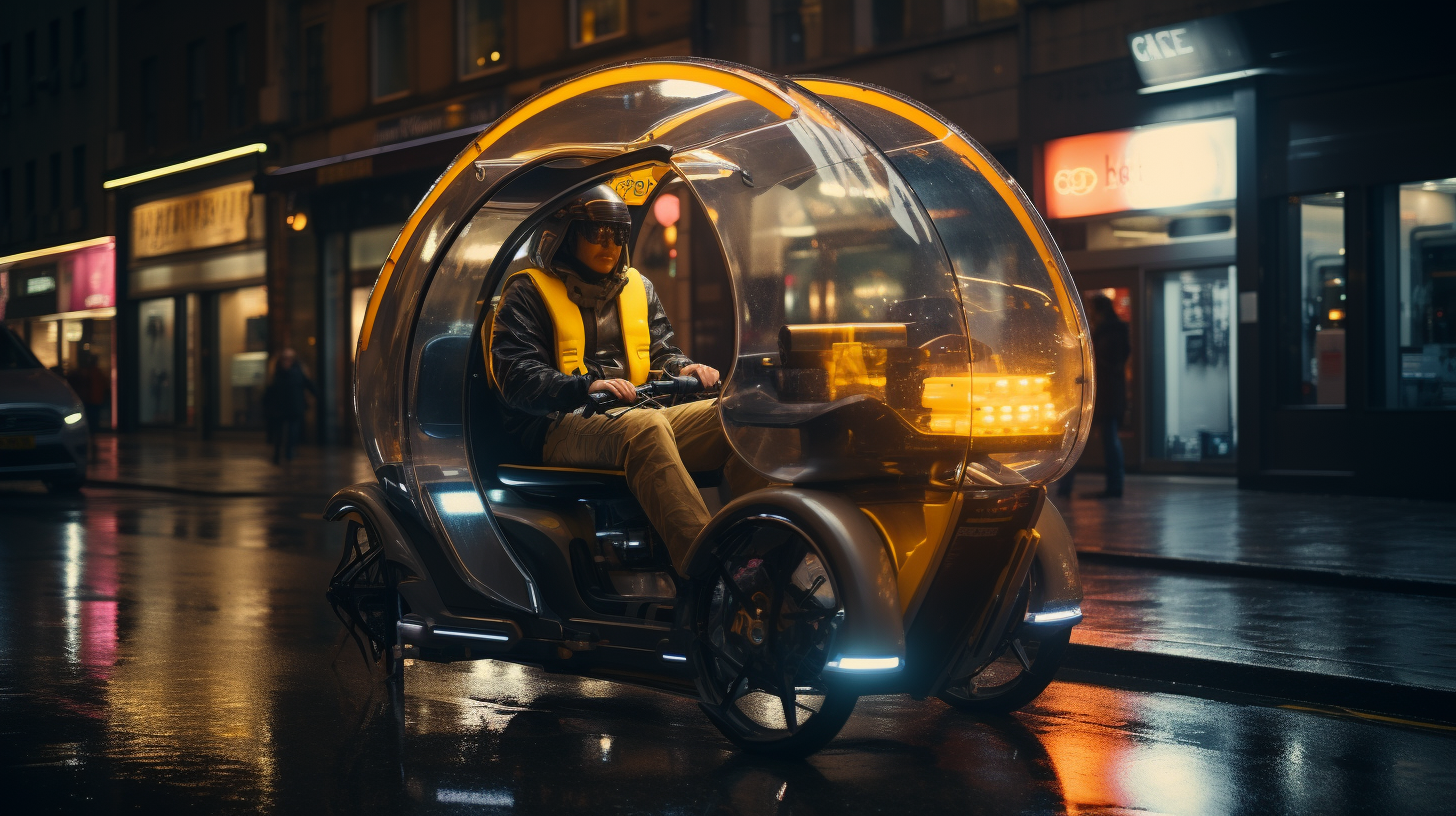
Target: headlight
72	419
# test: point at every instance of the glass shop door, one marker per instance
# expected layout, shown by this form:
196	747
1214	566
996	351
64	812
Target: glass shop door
1192	349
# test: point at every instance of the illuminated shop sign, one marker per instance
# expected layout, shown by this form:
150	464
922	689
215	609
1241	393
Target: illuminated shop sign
210	218
1146	168
1209	50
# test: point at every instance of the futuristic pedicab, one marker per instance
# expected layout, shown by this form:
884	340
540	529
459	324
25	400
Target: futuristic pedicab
911	369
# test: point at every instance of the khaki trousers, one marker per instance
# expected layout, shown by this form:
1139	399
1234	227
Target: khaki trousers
658	448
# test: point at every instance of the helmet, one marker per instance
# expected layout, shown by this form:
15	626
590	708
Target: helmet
599	206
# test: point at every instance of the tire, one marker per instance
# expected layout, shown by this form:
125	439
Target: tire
1045	657
1021	668
764	623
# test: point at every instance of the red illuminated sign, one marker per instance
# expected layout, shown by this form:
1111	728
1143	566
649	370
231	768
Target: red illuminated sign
1146	168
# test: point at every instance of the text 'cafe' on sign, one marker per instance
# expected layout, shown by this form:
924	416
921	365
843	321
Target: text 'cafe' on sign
1145	168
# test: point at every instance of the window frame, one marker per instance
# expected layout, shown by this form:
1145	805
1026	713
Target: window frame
408	89
573	22
460	33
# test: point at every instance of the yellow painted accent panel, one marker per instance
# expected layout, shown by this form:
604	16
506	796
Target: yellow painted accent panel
939	130
636	334
637	184
914	531
755	90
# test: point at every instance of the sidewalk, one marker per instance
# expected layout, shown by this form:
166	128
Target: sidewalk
1333	600
1337	600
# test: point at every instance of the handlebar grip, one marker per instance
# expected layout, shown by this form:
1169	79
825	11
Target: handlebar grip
676	386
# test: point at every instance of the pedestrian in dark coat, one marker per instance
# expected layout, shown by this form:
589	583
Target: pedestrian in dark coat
1111	347
285	403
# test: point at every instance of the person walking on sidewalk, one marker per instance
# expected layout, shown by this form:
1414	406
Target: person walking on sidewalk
1111	347
286	404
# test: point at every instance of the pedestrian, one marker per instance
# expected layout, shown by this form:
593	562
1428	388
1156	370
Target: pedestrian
1111	347
285	404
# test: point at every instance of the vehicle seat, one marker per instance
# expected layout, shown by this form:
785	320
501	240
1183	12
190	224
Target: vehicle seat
547	482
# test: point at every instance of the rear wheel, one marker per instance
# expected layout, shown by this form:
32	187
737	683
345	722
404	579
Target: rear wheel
764	624
1022	667
365	594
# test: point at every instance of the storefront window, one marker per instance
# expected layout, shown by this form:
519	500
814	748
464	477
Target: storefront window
482	36
43	337
368	250
1315	300
242	345
1191	358
156	369
1427	295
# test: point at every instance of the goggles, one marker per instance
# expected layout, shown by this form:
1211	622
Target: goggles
602	233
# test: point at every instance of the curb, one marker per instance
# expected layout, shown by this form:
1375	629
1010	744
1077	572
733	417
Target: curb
1375	696
1243	569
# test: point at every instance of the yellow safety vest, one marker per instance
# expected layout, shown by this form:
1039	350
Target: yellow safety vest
569	333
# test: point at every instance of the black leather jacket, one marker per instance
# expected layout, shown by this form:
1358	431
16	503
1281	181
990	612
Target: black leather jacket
523	356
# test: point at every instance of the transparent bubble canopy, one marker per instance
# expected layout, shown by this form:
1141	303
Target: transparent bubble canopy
901	311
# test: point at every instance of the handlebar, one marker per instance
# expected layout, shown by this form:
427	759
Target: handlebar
669	387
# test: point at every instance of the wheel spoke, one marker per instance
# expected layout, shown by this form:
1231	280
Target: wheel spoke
789	697
1021	654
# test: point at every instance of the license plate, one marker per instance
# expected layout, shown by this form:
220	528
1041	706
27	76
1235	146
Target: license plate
17	442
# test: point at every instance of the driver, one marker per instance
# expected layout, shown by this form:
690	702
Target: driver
582	321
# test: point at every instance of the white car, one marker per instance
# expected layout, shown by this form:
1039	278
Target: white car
43	431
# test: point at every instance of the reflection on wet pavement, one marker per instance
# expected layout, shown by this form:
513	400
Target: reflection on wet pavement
161	653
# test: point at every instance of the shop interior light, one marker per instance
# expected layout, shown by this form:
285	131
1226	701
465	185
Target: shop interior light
299	221
190	164
56	250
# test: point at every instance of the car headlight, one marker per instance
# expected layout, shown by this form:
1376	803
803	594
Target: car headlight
72	419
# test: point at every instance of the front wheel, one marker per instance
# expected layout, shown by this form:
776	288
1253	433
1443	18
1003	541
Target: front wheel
1020	673
764	623
1022	666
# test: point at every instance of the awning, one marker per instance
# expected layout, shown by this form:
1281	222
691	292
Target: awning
387	160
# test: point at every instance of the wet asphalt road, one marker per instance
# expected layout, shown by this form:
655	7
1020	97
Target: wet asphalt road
161	653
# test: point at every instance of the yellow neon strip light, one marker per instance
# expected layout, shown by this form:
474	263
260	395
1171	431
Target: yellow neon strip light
190	164
944	133
55	250
752	89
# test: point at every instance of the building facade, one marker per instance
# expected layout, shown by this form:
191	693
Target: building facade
57	255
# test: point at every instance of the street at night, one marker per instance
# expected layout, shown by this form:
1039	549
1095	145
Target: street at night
172	650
